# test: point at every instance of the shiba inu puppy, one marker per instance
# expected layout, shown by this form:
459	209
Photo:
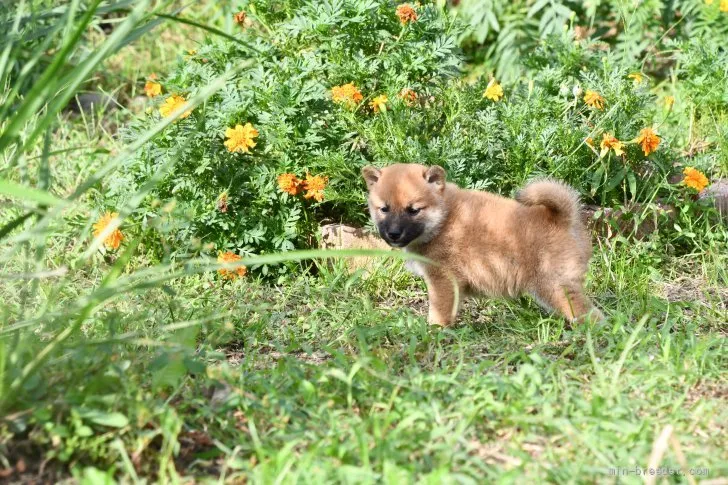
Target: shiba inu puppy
482	243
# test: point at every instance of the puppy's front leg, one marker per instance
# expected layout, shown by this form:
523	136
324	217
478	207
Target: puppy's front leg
443	293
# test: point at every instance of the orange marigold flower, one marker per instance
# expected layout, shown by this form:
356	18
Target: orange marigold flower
346	94
648	139
379	103
406	14
240	138
289	183
590	141
695	179
637	77
113	240
227	258
669	101
609	142
409	96
152	89
494	91
171	104
593	99
153	76
314	186
240	17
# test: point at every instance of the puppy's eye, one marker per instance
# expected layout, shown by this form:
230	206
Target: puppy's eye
384	209
412	211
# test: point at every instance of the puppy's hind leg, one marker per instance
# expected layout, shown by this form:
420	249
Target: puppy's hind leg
571	302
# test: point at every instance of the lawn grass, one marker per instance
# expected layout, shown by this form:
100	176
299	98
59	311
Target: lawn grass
338	377
329	376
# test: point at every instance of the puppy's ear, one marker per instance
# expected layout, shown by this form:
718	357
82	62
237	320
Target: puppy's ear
436	175
371	175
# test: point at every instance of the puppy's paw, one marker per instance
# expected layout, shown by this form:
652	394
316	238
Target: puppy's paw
594	315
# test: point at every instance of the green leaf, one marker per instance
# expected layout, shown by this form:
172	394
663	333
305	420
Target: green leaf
596	179
615	179
29	194
171	373
110	419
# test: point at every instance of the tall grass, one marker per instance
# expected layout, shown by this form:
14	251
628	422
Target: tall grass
35	91
35	332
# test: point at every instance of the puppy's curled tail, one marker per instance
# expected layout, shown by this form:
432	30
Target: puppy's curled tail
561	199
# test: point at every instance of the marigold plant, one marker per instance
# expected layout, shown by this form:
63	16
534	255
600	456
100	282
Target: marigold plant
494	91
609	142
408	96
594	99
152	89
229	257
241	18
172	104
648	139
289	183
302	96
379	103
241	138
113	240
406	13
695	179
346	94
314	186
637	77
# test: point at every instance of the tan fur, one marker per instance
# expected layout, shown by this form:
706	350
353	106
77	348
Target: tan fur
483	243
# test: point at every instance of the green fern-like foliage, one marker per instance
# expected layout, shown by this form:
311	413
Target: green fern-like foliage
501	34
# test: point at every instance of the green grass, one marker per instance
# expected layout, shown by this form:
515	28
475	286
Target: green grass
334	377
338	377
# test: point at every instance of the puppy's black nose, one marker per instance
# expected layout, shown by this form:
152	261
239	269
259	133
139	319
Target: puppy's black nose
394	235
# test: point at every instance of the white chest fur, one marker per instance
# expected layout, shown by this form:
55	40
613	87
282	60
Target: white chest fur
414	267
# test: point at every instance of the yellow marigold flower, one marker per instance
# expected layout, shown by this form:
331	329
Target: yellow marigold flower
346	94
240	138
669	101
230	274
152	89
409	96
494	91
590	141
648	139
724	5
709	2
406	14
637	77
289	183
171	104
609	142
594	99
113	240
379	103
315	186
695	179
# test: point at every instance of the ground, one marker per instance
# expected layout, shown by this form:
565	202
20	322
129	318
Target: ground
336	376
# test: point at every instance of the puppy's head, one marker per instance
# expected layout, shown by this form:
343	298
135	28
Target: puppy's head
406	202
